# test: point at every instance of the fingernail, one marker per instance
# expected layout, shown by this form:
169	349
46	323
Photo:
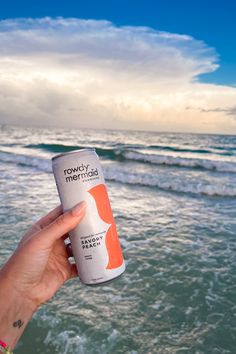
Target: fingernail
78	209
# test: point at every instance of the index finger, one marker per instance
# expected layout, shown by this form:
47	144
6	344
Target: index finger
62	225
50	217
42	223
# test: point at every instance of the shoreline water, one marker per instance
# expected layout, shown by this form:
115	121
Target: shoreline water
177	295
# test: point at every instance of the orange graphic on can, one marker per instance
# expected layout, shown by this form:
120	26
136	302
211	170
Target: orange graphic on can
100	195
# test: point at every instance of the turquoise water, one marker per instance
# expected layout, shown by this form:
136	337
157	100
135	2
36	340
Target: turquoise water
173	197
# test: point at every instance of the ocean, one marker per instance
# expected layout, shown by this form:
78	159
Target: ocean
173	198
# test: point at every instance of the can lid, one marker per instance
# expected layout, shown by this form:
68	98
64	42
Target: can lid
81	151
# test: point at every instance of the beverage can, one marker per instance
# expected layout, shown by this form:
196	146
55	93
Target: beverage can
95	243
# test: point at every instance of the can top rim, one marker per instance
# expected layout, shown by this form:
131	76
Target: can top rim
86	150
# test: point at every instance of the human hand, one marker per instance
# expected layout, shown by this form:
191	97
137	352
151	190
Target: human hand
37	269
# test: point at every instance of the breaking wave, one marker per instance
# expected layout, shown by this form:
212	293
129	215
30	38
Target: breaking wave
122	154
131	178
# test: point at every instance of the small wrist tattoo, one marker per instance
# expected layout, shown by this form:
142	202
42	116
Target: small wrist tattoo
18	323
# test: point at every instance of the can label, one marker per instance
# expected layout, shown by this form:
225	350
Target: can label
95	242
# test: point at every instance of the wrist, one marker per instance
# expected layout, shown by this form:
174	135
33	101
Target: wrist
15	313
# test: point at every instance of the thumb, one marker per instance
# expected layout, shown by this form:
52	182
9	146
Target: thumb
63	224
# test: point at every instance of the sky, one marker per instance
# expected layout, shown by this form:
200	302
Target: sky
149	65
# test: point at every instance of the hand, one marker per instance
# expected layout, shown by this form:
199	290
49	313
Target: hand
38	267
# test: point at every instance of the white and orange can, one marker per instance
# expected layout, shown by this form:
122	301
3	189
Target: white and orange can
95	243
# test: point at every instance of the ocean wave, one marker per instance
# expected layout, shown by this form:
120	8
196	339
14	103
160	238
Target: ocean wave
110	153
56	148
114	150
39	163
207	164
179	149
225	147
115	174
123	154
173	185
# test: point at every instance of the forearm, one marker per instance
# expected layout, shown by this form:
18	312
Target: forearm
15	313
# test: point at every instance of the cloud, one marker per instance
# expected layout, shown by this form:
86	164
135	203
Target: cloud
230	110
73	72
